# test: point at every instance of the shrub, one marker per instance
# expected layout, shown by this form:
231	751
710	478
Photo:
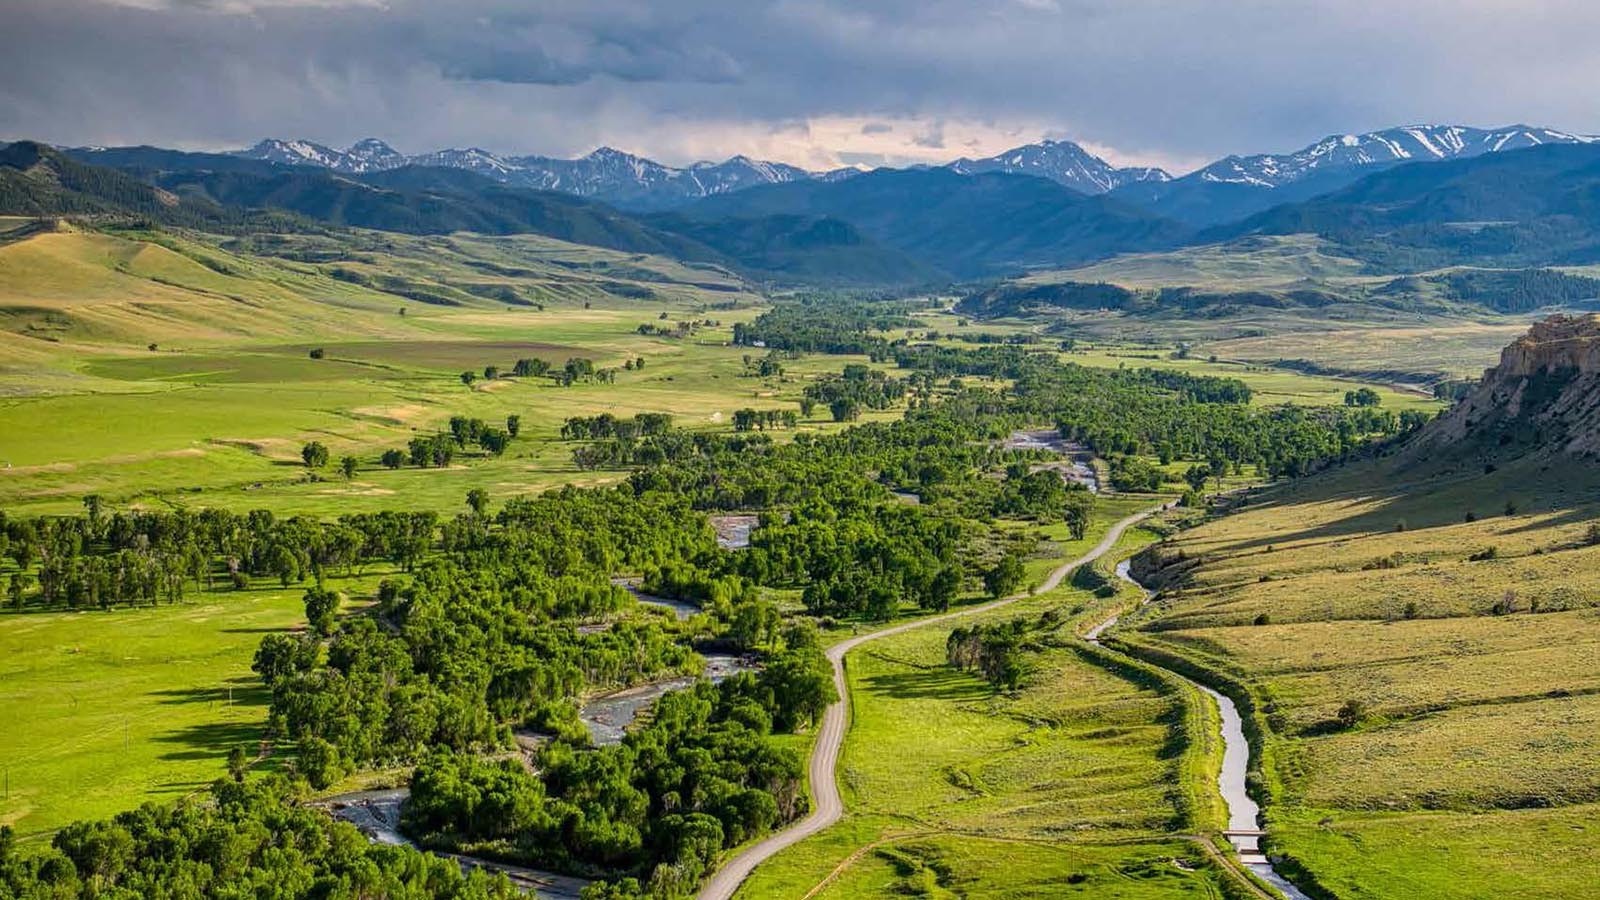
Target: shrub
1351	713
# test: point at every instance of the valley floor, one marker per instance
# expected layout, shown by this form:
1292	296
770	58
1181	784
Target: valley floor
1069	786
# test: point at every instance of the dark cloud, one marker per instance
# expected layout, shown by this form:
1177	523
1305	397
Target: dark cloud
691	78
931	138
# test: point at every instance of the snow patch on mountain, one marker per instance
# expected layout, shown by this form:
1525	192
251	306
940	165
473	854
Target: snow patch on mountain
1387	147
624	179
1063	162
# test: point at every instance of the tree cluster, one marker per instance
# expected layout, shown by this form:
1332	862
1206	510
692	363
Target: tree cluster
234	840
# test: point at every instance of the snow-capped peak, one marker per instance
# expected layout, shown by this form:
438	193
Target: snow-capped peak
376	153
1405	143
1063	162
295	153
366	155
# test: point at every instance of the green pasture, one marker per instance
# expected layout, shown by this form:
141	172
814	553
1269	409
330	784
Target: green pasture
223	427
107	709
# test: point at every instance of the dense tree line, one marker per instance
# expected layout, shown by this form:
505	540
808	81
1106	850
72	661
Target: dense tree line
100	559
1507	291
825	326
605	426
763	419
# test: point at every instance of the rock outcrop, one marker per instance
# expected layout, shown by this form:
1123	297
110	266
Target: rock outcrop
1543	397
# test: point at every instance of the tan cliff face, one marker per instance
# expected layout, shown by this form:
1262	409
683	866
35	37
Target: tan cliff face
1544	396
1559	342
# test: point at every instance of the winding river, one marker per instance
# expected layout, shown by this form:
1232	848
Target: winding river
377	813
1244	815
608	716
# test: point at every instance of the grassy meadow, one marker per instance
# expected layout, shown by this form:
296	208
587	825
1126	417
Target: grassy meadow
108	709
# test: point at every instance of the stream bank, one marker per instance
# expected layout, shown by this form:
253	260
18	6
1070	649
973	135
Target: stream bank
1244	814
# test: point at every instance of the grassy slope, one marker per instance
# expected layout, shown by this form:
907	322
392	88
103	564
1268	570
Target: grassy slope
217	414
1472	720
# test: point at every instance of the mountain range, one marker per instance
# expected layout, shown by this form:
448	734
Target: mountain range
611	176
1238	186
229	194
1228	189
1516	197
968	226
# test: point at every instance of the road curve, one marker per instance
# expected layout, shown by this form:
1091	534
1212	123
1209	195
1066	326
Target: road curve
830	739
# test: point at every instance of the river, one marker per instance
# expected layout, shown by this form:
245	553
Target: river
1244	814
608	716
733	530
1075	466
377	813
682	609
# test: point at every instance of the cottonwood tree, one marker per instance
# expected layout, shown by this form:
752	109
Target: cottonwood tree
1006	576
314	454
1079	508
322	607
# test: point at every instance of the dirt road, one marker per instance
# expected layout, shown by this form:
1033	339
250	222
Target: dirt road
825	754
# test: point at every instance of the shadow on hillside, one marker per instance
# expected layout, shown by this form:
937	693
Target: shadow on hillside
929	684
210	740
1390	500
242	691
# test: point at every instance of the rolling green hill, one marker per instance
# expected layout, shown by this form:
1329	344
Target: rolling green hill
427	200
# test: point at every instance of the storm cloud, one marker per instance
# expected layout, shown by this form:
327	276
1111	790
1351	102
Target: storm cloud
814	82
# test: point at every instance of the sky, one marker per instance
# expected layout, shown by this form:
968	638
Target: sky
815	83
